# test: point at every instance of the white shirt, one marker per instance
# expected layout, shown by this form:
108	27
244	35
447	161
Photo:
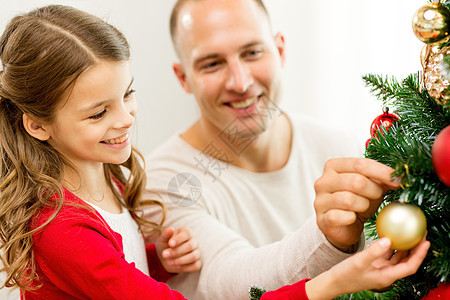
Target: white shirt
132	240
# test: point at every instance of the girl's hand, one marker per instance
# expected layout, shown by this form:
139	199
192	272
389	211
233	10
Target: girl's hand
178	250
374	268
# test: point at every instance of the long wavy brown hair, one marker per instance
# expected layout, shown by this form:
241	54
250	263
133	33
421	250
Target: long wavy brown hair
43	53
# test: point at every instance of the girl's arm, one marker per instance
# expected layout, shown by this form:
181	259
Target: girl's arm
373	268
77	255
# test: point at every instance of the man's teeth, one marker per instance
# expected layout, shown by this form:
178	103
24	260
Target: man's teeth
244	103
117	141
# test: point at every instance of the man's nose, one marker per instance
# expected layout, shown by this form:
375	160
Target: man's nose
240	77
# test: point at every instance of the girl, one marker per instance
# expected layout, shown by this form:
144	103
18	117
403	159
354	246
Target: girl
69	213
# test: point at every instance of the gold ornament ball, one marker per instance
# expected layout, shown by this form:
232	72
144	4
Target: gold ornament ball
430	23
403	223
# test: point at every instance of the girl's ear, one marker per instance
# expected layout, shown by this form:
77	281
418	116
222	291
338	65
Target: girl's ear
35	128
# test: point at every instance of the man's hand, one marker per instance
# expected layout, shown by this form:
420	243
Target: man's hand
347	195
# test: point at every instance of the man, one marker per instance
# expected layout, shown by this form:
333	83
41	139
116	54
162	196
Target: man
242	177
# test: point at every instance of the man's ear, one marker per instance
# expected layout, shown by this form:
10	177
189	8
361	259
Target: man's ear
35	128
181	75
280	43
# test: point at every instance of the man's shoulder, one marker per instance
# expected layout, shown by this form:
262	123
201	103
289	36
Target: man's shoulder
320	135
174	146
174	155
303	122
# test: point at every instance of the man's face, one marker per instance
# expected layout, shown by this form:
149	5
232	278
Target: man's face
230	62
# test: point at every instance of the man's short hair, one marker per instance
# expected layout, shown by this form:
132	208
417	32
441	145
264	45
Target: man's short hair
179	5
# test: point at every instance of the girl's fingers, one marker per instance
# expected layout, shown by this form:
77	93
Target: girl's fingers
181	250
375	251
187	259
409	265
180	236
165	235
190	267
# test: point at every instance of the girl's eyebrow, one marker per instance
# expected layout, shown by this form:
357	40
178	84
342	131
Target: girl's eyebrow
131	83
101	103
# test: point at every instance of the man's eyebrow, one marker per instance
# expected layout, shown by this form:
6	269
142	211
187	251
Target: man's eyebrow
206	57
216	55
251	44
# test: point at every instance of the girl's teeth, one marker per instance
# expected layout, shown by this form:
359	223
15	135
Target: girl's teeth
244	103
117	141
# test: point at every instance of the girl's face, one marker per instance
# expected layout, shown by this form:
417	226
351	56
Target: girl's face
93	124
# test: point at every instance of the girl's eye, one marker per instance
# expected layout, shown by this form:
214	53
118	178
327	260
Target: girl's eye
129	93
98	116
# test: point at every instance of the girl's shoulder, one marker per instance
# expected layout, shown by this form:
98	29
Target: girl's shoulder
69	209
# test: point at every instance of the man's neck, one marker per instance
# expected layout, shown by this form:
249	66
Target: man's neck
267	152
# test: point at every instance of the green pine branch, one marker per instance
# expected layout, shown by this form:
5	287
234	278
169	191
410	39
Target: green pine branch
406	147
256	292
384	88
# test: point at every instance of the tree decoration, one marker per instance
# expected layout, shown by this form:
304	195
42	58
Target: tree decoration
440	155
437	74
384	120
403	223
430	23
381	123
442	292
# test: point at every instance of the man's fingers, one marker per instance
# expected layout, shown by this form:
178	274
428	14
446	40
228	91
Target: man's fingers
364	166
349	201
337	218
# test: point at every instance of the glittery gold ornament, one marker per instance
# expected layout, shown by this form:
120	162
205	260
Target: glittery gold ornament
424	55
430	23
436	75
403	223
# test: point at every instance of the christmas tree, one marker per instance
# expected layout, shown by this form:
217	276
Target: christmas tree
415	141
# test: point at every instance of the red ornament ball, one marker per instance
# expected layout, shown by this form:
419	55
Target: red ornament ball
440	155
441	292
385	120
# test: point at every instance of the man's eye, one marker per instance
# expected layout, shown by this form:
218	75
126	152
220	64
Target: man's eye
210	66
253	53
98	116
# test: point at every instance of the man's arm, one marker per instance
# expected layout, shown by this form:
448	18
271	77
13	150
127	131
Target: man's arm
231	264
